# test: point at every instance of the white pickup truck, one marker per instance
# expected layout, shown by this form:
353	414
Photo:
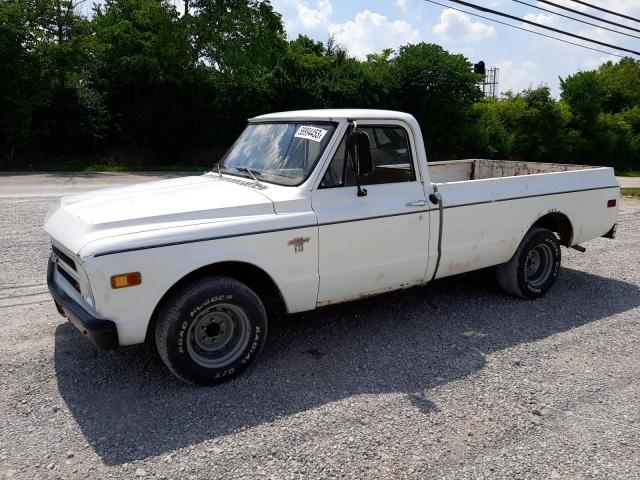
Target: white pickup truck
307	209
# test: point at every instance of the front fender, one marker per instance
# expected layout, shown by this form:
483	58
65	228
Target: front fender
295	273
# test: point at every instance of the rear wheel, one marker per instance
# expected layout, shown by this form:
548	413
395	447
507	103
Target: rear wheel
210	330
534	267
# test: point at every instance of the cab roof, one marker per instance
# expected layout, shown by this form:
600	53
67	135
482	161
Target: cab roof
336	115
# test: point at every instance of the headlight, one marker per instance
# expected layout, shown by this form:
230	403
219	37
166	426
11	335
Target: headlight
85	286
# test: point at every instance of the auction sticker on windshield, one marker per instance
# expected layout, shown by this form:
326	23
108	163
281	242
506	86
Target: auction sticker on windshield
311	133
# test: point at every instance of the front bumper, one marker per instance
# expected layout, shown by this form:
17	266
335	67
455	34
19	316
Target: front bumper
101	332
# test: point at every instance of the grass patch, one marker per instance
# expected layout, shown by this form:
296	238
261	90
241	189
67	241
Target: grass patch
628	173
631	192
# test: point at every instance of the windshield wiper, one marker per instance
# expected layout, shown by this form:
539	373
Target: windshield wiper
248	170
273	172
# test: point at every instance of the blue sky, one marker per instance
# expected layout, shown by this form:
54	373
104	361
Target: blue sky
524	59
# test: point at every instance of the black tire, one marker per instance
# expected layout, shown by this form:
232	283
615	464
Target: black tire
210	330
534	267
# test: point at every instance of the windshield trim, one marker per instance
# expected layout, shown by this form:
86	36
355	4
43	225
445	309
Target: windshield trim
227	171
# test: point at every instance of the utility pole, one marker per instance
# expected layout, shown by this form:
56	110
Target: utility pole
490	79
490	84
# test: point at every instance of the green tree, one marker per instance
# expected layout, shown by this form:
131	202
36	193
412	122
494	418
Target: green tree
19	83
439	89
314	75
237	36
604	105
621	82
585	95
530	125
76	118
542	127
240	42
47	96
154	90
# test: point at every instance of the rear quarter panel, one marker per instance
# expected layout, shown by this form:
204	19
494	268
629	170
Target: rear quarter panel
485	220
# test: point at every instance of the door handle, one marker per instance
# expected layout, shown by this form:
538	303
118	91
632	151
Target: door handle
419	203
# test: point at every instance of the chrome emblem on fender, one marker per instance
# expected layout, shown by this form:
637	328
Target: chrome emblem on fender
298	243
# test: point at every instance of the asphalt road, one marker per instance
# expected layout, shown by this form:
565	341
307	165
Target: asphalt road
450	381
28	185
629	182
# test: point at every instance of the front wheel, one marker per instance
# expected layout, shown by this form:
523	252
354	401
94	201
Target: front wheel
210	330
534	267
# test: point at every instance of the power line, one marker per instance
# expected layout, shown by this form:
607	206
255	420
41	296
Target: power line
525	29
576	19
605	10
588	15
539	25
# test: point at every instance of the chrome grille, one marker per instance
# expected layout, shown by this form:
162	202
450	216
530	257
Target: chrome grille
66	267
64	257
72	281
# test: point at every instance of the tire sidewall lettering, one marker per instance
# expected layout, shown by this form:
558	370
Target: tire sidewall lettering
254	345
183	329
186	306
191	309
209	301
555	247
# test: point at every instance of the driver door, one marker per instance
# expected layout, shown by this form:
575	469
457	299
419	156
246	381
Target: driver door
375	243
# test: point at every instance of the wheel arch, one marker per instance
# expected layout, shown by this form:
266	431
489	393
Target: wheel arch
559	223
251	275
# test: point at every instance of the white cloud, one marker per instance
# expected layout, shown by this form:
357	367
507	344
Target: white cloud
455	25
313	17
403	4
517	76
371	32
549	20
309	16
368	32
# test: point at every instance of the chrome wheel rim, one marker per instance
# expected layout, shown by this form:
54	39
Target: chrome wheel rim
218	335
539	265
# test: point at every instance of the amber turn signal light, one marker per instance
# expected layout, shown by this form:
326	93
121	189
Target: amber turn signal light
126	280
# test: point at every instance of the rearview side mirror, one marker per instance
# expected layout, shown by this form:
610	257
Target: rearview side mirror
360	153
364	161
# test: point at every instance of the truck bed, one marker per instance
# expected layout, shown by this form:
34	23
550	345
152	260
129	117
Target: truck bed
489	205
479	169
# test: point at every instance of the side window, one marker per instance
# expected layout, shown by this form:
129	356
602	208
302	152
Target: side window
391	155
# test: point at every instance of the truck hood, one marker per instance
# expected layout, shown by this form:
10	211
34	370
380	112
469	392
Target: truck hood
79	219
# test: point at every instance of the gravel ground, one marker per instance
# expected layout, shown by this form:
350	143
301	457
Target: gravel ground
453	380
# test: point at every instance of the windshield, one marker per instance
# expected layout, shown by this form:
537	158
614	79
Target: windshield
281	153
